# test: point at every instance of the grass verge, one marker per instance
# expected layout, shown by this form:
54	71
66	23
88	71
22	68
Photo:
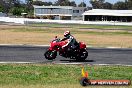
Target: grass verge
81	26
52	76
43	35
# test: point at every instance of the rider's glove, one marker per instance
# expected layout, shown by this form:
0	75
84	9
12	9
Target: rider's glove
63	47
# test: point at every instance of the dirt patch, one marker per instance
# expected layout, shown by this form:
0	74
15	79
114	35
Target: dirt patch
106	40
10	26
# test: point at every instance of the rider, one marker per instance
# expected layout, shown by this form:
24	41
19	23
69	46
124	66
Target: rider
72	43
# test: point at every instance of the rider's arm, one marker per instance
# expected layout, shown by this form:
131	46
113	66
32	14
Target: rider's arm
63	39
69	41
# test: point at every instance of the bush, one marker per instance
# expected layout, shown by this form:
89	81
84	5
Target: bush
17	11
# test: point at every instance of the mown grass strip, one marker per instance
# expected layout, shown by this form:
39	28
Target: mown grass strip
35	74
73	31
81	26
61	86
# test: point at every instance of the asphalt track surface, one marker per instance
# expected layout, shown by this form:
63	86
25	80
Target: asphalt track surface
35	54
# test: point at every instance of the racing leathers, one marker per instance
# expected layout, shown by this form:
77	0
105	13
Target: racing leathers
71	42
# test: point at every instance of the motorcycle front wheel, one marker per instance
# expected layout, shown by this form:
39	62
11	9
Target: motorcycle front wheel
50	55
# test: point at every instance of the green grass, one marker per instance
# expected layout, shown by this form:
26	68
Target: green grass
81	26
76	29
35	74
73	31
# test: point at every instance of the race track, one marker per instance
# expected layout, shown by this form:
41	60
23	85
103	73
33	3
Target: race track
25	53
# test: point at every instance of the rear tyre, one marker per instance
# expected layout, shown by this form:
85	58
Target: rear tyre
50	55
83	55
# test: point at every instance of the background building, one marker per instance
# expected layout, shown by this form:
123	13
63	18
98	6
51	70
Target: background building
108	15
59	12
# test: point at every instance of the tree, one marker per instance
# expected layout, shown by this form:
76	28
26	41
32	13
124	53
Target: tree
8	4
40	3
63	3
1	9
29	1
4	5
107	5
17	11
73	3
129	4
29	4
16	3
47	3
82	4
97	4
120	6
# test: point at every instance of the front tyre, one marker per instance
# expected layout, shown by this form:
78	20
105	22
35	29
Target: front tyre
50	55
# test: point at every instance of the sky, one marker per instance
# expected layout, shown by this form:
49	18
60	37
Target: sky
86	1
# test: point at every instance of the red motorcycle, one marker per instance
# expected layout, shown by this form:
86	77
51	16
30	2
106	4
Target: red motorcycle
79	53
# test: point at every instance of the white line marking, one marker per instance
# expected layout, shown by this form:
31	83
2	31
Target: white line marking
93	64
69	63
112	65
17	62
13	62
22	45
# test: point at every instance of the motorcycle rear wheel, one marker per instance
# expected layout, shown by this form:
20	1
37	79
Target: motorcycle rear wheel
83	55
50	55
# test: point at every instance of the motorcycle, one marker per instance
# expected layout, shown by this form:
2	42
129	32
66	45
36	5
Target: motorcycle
79	53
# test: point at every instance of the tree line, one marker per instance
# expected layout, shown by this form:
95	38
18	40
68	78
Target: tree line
120	5
16	7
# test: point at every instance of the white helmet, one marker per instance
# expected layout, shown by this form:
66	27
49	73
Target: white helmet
66	33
